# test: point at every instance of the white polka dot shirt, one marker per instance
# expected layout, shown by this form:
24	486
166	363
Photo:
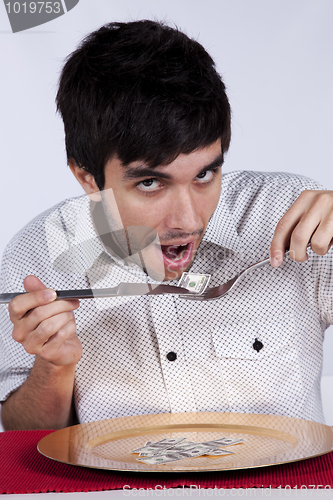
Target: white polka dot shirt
256	350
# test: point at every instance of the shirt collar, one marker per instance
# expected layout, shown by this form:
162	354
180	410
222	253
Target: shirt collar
88	237
228	237
99	259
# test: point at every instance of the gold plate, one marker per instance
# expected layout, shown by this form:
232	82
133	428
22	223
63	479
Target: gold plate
269	440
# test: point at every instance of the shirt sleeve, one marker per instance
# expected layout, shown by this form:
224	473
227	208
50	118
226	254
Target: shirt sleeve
15	362
322	269
33	251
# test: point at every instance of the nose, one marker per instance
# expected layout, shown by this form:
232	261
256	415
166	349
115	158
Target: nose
184	212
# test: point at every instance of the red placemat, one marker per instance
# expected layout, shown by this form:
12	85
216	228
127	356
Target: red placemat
24	470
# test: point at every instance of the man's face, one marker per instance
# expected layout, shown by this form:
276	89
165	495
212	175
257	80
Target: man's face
177	200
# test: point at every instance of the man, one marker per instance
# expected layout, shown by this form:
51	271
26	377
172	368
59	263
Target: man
147	120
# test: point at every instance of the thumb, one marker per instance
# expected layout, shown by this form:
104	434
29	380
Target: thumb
32	284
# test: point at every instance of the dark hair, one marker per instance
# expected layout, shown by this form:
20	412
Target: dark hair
141	91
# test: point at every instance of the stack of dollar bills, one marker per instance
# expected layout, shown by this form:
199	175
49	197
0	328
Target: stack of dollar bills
170	450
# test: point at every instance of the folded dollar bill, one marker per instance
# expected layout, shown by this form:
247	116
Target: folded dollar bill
195	283
220	451
181	446
223	442
158	445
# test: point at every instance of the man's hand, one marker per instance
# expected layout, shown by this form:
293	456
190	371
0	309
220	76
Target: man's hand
46	328
43	326
309	218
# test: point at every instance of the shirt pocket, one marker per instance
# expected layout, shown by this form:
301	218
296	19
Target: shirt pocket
259	366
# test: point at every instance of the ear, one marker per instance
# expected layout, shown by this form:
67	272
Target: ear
86	180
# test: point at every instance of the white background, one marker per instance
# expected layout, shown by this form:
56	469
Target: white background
274	55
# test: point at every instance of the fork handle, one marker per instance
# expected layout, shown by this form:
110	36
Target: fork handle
257	265
262	263
87	293
123	289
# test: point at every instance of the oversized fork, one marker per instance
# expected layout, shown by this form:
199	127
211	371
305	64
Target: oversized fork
219	291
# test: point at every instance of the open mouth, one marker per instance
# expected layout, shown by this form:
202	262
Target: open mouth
174	252
177	257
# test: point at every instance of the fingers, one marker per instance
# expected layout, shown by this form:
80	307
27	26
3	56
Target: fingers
50	332
40	295
321	240
65	345
284	229
44	326
302	234
20	305
34	341
39	317
309	218
32	283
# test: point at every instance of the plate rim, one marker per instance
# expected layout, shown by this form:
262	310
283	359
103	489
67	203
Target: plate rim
182	469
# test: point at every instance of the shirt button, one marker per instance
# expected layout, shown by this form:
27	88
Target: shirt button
171	356
257	345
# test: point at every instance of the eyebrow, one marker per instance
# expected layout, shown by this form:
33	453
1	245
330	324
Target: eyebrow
143	171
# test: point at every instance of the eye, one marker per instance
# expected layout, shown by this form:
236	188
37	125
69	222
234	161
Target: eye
205	176
149	185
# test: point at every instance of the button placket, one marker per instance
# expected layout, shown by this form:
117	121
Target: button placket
173	363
